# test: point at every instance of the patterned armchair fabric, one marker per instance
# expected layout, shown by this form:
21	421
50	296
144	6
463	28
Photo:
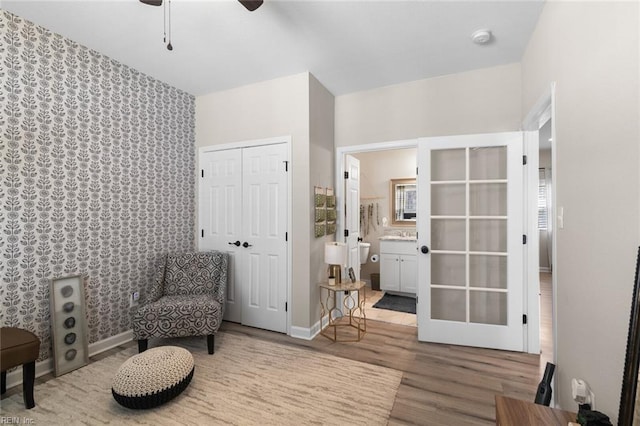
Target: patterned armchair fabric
187	298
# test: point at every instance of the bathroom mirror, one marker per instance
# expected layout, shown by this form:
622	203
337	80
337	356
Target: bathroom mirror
403	202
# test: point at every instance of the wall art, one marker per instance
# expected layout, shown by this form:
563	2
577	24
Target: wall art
68	324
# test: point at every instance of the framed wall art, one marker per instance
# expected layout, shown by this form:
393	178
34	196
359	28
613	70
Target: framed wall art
68	324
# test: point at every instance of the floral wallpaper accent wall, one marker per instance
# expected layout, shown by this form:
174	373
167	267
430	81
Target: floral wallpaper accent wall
97	177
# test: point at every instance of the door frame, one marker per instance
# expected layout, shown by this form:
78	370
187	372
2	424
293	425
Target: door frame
543	110
531	339
250	144
340	164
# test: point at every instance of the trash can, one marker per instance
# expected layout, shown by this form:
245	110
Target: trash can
375	281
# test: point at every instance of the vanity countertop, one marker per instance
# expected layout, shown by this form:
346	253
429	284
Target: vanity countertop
397	238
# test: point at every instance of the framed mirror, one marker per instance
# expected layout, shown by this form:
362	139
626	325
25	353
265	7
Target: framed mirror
403	202
629	413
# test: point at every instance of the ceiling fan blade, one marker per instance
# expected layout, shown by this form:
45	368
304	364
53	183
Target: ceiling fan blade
251	5
152	2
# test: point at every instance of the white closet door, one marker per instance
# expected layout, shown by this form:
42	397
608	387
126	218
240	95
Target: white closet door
264	249
220	217
243	211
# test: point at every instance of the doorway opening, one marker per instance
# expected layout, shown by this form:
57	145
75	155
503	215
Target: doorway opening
380	164
540	125
530	343
545	226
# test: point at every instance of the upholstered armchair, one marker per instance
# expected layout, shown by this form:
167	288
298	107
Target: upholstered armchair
187	299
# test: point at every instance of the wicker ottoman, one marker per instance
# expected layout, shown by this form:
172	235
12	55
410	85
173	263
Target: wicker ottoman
153	377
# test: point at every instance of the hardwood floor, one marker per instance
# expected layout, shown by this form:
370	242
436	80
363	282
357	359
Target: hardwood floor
441	384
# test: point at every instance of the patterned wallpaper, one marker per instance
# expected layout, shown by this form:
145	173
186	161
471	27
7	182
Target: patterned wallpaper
97	177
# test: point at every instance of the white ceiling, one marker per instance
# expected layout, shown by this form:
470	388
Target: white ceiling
349	45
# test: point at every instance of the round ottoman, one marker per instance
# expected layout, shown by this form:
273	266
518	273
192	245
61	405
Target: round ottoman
153	377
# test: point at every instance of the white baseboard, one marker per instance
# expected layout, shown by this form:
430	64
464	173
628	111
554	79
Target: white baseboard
14	378
110	343
308	333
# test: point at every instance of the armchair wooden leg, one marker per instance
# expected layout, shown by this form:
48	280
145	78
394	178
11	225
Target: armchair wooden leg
210	343
3	383
142	345
28	379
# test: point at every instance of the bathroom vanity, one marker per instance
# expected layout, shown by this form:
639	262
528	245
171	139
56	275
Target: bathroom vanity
398	264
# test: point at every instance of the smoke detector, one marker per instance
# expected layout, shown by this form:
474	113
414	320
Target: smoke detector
481	36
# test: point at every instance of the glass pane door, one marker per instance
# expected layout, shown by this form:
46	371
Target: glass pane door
467	187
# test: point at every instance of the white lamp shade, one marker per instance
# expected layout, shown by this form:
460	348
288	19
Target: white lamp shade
335	253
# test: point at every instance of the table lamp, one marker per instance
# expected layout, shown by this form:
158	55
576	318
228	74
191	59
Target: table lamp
335	255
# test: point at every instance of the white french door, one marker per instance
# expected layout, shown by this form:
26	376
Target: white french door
470	239
243	211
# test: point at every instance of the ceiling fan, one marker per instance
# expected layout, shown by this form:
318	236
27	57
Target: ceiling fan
251	5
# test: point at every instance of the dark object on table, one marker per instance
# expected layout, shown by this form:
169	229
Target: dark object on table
352	275
543	395
592	418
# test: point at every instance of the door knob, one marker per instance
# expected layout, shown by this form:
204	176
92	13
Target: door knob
424	249
237	244
246	244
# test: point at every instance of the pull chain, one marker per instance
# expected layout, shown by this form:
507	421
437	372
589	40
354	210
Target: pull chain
169	46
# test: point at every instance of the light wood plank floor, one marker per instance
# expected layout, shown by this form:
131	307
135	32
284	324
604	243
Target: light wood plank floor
441	384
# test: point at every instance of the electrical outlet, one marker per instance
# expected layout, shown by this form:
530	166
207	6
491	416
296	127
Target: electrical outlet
582	393
133	300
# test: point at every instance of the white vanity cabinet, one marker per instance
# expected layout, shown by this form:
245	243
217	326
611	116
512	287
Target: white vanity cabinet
398	267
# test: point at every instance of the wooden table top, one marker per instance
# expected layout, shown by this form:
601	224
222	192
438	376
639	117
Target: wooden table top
511	411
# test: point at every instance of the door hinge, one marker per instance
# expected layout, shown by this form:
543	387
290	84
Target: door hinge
286	306
286	165
524	239
202	172
202	233
346	232
416	171
524	160
524	318
286	236
346	175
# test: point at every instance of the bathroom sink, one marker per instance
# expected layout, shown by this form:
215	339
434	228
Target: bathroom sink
397	238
